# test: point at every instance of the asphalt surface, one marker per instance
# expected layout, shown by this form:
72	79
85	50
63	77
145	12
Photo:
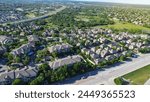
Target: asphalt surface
148	82
36	18
106	76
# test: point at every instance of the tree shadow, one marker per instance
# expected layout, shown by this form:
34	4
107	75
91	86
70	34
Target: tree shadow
78	77
89	74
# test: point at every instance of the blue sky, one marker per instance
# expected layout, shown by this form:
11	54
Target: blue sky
123	1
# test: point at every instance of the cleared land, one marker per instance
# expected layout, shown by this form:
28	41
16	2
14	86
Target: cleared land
139	77
30	15
124	26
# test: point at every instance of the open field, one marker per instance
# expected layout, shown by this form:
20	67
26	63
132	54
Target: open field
139	77
123	26
30	15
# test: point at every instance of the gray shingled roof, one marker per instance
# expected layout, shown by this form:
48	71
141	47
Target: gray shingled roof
5	75
23	48
23	73
65	61
59	47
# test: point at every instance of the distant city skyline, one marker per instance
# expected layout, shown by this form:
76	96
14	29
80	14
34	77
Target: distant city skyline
147	2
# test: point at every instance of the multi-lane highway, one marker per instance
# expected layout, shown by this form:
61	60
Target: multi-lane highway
39	17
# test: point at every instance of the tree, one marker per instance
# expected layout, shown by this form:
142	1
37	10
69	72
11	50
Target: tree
129	54
10	57
118	81
122	58
144	50
17	82
38	59
38	80
55	54
76	68
26	60
18	60
44	66
42	53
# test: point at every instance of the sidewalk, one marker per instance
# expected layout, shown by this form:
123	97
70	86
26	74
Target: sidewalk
148	82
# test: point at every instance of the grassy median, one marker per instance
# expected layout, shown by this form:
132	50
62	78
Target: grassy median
138	77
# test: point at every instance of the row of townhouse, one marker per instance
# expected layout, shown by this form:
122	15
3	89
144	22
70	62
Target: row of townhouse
70	60
25	74
24	49
129	40
25	28
5	40
102	52
64	47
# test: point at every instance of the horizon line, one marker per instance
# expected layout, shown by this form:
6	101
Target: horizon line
112	2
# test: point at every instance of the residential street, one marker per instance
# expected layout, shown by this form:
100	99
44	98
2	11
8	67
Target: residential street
107	75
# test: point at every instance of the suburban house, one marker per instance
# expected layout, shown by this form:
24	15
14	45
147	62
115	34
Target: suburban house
33	38
65	61
59	48
109	57
25	74
5	40
7	77
98	60
25	48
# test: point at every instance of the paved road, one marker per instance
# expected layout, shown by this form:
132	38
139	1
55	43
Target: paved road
40	17
148	82
106	76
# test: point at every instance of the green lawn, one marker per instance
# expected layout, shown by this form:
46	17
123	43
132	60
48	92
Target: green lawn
30	15
139	77
123	26
50	25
